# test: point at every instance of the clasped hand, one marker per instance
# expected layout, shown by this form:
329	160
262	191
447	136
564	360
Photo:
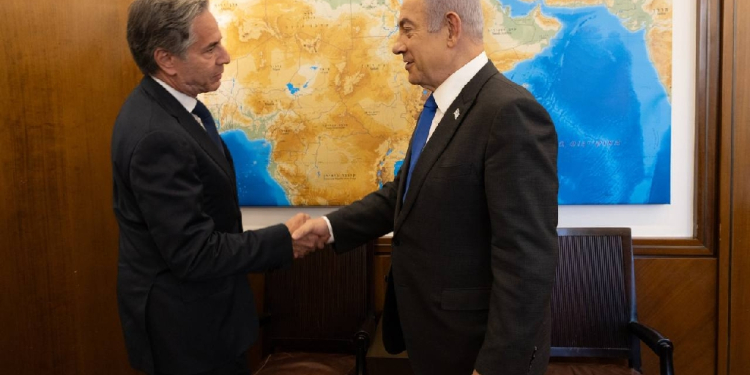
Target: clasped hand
304	239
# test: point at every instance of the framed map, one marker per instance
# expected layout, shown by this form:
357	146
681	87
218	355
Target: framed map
317	111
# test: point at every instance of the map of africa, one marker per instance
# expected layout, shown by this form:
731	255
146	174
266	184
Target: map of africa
316	110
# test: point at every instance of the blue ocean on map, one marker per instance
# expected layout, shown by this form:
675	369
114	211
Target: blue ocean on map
612	114
251	160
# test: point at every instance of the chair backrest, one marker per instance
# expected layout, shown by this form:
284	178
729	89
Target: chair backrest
320	302
594	295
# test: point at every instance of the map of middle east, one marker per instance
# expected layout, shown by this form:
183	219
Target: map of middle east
316	110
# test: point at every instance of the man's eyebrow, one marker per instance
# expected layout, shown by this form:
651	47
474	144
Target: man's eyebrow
212	45
404	22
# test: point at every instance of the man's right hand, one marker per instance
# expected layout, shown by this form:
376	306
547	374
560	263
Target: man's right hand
312	230
306	236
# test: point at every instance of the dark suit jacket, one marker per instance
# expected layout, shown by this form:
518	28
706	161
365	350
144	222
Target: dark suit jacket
184	300
475	242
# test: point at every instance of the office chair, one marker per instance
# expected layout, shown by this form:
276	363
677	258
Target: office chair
594	319
319	314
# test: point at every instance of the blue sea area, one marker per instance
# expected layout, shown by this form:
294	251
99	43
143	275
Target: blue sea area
612	114
397	167
251	159
518	8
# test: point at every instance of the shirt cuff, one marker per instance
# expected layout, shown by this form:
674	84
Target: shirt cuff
330	230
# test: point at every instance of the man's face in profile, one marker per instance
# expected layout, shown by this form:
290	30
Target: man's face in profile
423	51
201	68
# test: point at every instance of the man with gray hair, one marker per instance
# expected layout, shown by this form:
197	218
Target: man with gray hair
473	209
184	301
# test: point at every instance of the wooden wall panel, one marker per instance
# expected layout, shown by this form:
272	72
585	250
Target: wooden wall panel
677	296
65	72
737	108
381	266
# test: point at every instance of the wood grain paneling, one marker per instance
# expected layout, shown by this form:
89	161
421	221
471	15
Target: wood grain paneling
677	296
381	265
65	72
738	108
725	189
380	268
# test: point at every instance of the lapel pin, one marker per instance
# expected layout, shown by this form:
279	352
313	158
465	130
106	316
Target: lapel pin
456	114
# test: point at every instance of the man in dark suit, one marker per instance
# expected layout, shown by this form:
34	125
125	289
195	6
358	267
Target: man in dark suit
184	300
473	212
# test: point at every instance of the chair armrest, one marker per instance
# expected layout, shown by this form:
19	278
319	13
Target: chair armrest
366	332
659	344
362	340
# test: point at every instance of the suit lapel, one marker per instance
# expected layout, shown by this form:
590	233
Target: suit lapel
439	140
188	122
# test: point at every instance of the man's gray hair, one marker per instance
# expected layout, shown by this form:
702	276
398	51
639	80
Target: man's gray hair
470	12
165	24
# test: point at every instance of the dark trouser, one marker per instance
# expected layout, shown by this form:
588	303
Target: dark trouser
237	367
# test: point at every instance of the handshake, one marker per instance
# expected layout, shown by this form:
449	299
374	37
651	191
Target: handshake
308	234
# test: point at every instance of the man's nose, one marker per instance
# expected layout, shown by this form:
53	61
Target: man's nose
224	58
398	48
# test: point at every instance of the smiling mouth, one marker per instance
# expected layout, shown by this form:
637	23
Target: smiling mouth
408	65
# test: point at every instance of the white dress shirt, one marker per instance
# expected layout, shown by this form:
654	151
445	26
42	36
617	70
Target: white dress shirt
449	90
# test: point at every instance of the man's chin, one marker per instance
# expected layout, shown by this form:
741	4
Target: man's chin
214	86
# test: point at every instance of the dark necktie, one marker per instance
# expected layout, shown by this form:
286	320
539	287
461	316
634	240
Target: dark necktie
202	112
420	136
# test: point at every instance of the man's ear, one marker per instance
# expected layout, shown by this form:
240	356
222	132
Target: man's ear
165	60
454	28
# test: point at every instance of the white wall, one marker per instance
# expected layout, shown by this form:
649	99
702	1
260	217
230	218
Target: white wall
669	221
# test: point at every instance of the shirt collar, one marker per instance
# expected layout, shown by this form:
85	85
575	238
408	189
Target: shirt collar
447	92
187	101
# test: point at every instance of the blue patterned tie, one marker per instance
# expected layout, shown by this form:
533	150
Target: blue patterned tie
202	112
420	136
